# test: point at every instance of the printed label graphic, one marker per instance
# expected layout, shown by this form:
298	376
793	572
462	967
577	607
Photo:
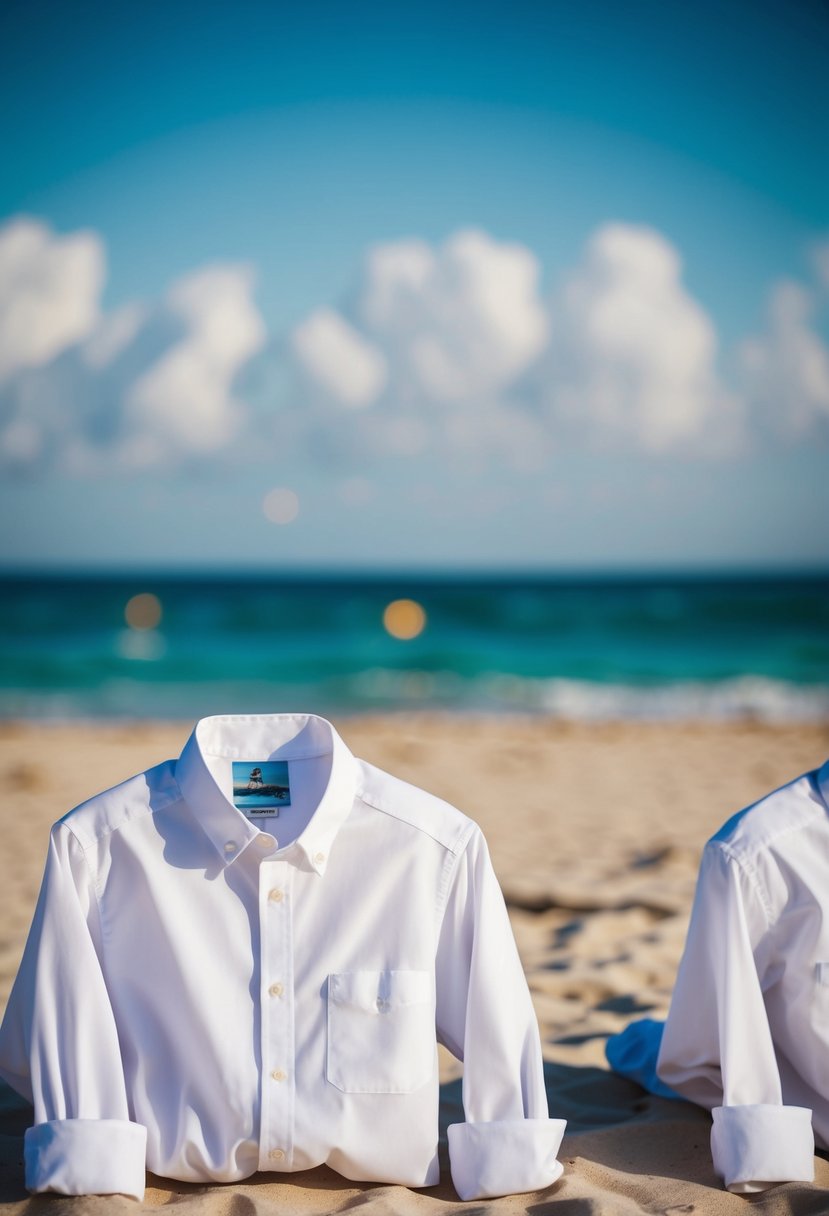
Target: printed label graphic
261	788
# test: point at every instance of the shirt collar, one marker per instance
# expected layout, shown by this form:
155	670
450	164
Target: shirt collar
266	736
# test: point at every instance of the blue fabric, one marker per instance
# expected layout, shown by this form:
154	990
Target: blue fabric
633	1053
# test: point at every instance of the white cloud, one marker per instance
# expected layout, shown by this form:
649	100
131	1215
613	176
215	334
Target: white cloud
633	356
478	366
449	354
457	323
786	369
339	359
112	335
50	289
142	386
433	339
183	403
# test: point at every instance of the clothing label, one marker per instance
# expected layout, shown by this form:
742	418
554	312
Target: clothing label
261	787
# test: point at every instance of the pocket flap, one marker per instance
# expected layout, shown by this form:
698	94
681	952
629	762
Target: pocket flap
379	991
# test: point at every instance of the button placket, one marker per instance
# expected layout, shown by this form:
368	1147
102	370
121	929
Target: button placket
276	961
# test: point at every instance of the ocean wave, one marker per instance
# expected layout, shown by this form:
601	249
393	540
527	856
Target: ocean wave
759	698
749	697
754	697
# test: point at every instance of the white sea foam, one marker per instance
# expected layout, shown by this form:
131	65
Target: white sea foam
758	698
755	697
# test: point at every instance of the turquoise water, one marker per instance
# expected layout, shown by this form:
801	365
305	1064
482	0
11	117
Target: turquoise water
582	648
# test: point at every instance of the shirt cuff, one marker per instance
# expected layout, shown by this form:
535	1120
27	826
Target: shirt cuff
755	1147
505	1157
86	1157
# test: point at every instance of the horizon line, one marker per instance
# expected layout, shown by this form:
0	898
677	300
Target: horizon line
692	571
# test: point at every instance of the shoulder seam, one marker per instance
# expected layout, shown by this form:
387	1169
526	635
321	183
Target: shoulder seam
456	846
770	836
753	878
167	799
449	870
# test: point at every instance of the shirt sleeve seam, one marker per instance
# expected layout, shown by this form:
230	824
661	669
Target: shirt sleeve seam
93	881
450	866
451	863
745	867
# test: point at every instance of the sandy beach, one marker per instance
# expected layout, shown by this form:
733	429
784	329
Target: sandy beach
595	833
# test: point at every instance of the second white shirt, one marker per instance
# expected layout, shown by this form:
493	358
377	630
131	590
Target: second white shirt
748	1030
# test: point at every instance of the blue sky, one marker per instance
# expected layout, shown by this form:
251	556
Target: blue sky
481	285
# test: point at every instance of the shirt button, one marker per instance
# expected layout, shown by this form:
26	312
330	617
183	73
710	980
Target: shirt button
276	989
319	858
276	1154
276	895
265	840
230	846
279	1074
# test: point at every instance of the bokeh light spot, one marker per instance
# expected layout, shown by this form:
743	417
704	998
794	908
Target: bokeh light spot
143	611
280	505
356	491
404	619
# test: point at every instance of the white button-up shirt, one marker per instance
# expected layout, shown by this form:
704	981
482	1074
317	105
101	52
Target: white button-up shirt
748	1030
210	993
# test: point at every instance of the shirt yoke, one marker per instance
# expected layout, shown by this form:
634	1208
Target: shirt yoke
423	811
764	824
105	813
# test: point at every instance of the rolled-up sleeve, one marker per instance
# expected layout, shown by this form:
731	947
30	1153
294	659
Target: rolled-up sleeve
508	1143
59	1043
717	1047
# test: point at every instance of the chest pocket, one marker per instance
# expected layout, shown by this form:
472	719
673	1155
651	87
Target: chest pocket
381	1031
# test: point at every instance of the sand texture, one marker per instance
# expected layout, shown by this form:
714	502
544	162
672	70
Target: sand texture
595	833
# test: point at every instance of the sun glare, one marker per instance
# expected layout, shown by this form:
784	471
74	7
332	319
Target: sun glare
143	611
280	506
404	619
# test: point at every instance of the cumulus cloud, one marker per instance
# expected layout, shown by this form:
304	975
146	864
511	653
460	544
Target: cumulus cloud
339	359
461	322
786	369
183	402
451	352
448	328
50	289
423	356
112	335
142	386
457	350
633	356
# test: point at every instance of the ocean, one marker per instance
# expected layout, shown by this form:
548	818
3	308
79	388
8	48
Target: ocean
578	648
